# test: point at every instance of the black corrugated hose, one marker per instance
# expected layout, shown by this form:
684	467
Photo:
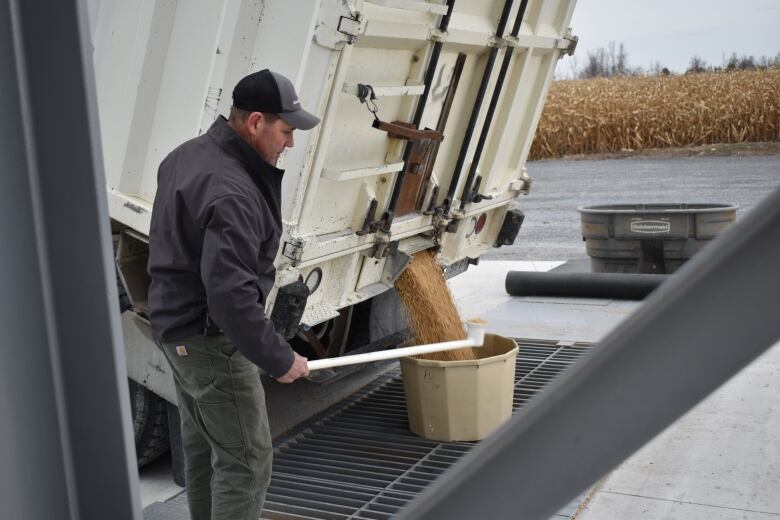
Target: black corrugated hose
617	286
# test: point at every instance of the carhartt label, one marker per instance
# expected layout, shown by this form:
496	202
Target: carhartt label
182	350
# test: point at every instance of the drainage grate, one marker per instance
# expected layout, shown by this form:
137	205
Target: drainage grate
358	460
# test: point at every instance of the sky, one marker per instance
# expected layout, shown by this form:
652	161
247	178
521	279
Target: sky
672	31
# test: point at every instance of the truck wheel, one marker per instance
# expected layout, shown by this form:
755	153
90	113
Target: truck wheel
150	424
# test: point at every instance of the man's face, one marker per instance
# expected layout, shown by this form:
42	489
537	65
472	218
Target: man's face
271	139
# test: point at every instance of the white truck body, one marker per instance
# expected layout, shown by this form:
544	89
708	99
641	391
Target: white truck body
166	69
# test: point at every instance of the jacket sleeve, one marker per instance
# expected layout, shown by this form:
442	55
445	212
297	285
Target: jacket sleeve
229	269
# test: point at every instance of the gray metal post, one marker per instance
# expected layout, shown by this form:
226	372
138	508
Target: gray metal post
65	435
717	314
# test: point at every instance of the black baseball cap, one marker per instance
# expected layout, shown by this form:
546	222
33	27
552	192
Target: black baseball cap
270	92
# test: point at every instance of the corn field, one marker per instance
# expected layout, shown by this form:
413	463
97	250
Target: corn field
635	113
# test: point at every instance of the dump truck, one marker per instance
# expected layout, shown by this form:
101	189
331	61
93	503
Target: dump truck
428	112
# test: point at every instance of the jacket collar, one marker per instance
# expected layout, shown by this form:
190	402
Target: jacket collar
234	145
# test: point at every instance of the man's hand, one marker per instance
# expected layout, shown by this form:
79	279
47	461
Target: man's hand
299	368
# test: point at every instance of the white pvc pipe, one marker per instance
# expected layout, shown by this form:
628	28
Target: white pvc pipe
476	338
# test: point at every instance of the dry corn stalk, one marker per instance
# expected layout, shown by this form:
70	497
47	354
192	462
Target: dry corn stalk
634	113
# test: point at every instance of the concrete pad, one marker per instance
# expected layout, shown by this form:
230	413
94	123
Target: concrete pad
155	483
615	506
562	319
480	293
481	288
721	460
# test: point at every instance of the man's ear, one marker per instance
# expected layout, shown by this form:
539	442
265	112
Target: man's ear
253	121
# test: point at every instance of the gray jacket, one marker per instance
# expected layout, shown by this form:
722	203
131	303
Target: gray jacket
214	234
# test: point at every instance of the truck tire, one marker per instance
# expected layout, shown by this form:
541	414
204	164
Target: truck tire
150	424
124	299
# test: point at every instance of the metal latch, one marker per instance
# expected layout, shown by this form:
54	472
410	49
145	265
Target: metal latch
350	27
474	195
402	130
337	25
293	250
370	225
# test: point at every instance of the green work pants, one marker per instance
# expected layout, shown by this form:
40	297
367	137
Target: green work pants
224	428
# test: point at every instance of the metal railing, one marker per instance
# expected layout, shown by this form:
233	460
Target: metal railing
65	433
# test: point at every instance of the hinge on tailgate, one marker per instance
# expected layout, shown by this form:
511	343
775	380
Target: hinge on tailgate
522	184
572	43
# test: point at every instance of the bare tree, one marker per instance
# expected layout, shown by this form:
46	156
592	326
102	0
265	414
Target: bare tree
747	62
658	69
732	63
696	65
612	61
620	67
595	66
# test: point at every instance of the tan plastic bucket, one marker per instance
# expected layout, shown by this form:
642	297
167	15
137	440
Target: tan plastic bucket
461	400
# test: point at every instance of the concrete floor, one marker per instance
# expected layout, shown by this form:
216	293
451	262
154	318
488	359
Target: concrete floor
720	461
155	482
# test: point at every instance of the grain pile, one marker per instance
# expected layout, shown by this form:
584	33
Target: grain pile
432	312
640	112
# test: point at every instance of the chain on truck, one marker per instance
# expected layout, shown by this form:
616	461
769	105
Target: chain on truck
428	112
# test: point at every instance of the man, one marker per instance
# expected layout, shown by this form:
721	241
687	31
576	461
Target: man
214	235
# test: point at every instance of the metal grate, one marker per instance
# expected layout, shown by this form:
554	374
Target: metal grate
358	460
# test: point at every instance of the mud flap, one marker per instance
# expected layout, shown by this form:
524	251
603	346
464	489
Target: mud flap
288	308
510	228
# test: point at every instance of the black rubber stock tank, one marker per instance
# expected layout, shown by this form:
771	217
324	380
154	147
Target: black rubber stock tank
649	238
